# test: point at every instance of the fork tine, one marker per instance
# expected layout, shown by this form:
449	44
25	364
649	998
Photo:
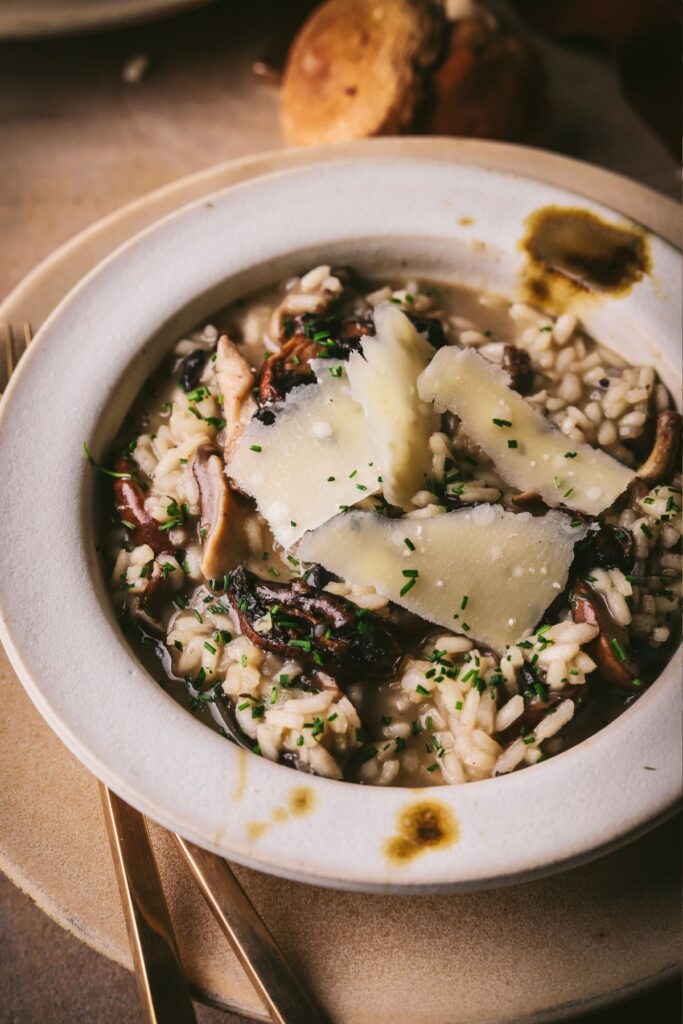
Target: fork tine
12	347
5	346
11	356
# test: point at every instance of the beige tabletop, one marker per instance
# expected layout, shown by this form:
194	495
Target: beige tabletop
78	142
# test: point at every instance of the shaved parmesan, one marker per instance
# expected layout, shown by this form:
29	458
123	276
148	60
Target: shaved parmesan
483	572
315	459
528	452
384	381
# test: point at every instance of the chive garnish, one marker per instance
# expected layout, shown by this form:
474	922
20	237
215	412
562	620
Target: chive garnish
103	469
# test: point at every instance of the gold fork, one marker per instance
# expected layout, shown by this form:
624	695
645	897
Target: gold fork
163	991
13	344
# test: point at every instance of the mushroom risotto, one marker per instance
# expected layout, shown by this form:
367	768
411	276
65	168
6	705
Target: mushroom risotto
399	534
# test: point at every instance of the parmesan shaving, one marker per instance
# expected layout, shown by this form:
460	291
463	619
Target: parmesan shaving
483	572
528	452
384	381
315	459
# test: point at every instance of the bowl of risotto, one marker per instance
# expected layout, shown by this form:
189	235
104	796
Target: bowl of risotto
345	534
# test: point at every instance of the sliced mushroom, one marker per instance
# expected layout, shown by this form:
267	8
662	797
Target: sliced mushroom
431	327
604	547
191	368
315	338
530	501
312	626
235	380
131	507
660	461
517	362
287	368
316	680
538	700
222	515
610	650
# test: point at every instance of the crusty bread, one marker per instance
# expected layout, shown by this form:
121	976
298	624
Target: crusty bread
356	68
488	85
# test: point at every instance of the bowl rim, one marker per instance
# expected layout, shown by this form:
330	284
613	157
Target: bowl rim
125	782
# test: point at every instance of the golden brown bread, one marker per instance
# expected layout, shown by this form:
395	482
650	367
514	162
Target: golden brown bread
383	67
356	68
488	85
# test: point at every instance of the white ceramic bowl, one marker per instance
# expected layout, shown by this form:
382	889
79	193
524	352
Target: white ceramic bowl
78	380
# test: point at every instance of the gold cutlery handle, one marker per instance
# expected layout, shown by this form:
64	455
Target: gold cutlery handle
253	945
163	992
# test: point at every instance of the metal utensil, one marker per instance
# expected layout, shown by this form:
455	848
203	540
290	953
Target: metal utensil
162	988
13	344
253	945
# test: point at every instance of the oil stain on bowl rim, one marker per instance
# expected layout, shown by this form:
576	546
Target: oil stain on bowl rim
572	253
420	827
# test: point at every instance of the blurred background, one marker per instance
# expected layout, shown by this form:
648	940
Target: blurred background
117	97
103	100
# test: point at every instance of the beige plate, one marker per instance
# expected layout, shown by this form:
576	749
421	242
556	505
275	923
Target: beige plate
541	950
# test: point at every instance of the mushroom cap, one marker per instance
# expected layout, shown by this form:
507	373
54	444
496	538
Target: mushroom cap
235	380
589	607
355	69
222	514
660	461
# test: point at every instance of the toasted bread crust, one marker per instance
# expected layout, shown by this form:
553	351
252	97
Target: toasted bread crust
355	69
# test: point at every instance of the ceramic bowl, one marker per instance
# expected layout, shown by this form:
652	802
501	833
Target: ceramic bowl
78	380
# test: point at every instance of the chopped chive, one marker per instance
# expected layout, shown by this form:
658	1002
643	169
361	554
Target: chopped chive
421	690
463	603
255	448
410	572
209	647
618	649
512	444
502	423
305	645
646	530
407	586
103	469
408	543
